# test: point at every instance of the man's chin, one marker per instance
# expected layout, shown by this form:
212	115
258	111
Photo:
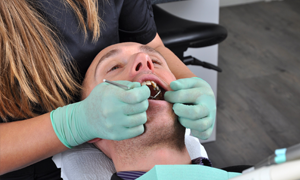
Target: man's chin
159	110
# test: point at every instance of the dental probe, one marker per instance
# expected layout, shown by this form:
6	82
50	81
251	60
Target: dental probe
116	84
153	97
126	88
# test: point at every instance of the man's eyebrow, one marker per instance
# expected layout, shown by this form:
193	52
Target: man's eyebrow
109	54
113	52
147	49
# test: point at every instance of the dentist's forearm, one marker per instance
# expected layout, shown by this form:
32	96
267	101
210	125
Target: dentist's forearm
23	143
178	68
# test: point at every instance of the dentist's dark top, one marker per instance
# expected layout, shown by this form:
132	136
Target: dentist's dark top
124	20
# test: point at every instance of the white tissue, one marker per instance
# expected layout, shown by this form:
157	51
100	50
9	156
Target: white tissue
85	162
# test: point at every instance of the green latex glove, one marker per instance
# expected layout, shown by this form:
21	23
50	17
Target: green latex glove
194	104
109	112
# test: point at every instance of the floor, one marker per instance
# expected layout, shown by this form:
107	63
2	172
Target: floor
258	102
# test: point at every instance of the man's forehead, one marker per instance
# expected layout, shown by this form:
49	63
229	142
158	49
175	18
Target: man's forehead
116	48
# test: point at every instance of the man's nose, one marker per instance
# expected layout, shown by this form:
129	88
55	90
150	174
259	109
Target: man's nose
142	62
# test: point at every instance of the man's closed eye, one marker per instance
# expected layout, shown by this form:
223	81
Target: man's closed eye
114	68
154	61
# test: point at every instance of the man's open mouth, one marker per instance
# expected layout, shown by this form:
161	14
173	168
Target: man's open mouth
157	92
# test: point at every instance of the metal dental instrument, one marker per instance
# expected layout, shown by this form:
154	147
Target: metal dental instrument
155	88
126	88
116	84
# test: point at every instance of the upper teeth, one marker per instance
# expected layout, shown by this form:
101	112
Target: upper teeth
154	85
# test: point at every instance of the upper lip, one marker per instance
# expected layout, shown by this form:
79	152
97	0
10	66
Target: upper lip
152	77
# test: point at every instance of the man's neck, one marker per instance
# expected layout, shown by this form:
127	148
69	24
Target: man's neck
145	162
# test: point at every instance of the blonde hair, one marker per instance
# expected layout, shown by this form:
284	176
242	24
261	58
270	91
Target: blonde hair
32	71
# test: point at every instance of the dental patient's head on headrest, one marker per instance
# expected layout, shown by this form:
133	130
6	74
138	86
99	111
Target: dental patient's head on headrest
163	139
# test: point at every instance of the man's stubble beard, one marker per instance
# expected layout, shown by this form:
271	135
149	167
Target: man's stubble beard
160	132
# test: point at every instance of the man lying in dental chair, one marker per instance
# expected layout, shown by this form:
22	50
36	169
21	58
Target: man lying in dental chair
163	140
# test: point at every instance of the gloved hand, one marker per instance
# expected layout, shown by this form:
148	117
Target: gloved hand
194	104
109	112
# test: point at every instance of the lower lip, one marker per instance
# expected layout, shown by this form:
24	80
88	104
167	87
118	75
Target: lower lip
157	102
154	104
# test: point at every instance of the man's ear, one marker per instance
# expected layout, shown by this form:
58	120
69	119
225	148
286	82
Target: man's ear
94	140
